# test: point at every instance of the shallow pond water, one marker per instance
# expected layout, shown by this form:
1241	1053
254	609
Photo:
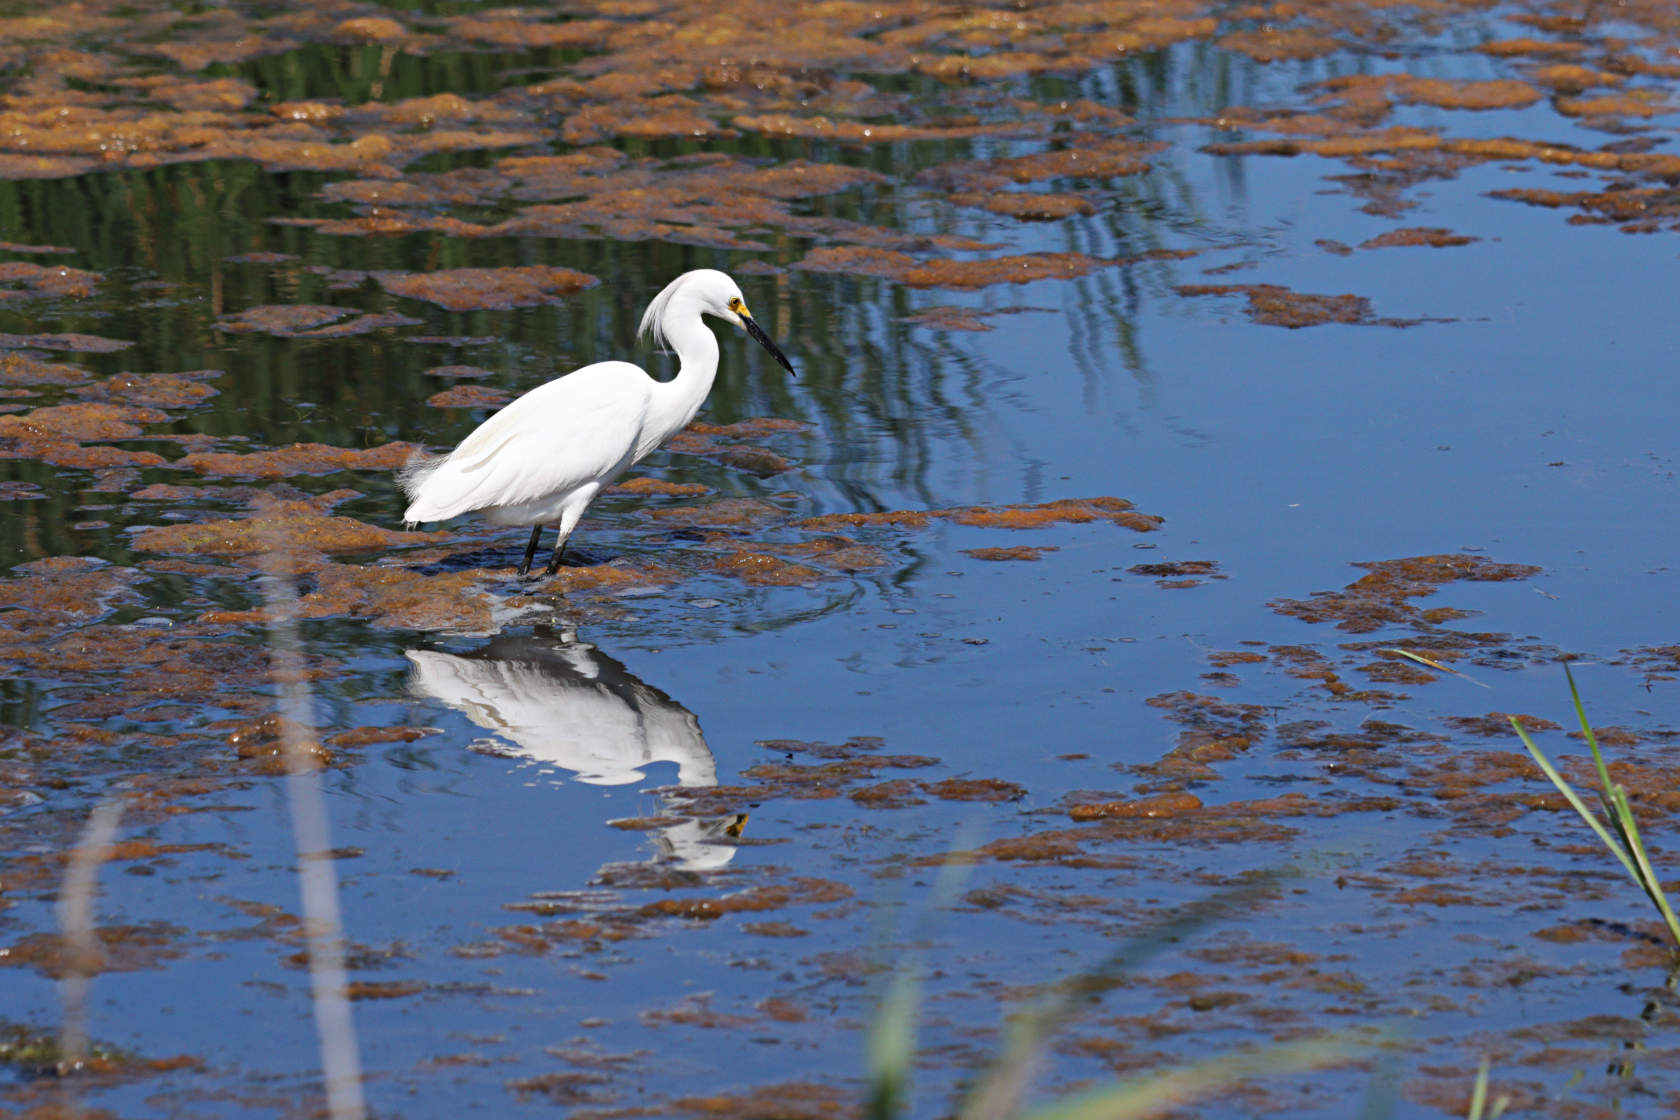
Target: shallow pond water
1163	369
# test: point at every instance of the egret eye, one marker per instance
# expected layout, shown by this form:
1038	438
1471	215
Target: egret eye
736	305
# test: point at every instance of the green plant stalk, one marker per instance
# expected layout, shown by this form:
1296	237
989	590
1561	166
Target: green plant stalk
890	1047
1157	1093
998	1094
1478	1094
1586	730
1653	887
1626	845
1580	806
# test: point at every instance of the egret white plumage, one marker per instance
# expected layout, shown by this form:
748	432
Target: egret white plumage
543	459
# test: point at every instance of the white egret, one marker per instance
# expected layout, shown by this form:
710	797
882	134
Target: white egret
543	459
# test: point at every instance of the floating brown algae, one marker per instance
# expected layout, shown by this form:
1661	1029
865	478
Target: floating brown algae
903	518
896	793
1105	158
1028	206
1540	48
1078	511
756	427
858	132
1498	724
838	770
1172	818
1272	44
267	743
80	422
376	28
20	279
285	526
1160	805
390	597
1276	306
1019	269
607	578
1635	103
63	588
799	891
653	118
297	459
308	321
1430	236
758	569
948	318
1214	730
80	343
839	553
1564	77
1014	552
1500	94
469	396
497	289
648	486
974	789
21	369
1117	511
723	444
514	28
1381	598
296	147
158	390
597	191
1174	568
119	948
64	453
721	513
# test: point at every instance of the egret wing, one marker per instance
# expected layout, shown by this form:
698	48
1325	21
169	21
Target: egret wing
570	431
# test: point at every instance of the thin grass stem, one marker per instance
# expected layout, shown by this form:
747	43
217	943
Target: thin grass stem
1574	800
999	1094
323	926
1158	1093
81	954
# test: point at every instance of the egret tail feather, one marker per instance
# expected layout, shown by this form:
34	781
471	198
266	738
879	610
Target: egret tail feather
412	477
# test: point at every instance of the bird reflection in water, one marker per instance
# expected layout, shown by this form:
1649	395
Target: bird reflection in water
553	700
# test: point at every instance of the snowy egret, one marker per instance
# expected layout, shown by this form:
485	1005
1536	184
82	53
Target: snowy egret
543	458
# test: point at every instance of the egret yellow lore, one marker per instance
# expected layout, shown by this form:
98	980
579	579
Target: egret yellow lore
543	459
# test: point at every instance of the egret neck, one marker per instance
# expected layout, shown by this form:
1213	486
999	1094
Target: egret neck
675	402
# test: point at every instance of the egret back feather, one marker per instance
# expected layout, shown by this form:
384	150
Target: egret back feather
545	444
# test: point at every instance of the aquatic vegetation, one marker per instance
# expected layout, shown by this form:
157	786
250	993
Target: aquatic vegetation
1481	1108
1618	831
999	1090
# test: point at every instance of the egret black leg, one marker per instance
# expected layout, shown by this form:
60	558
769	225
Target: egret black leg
554	561
530	551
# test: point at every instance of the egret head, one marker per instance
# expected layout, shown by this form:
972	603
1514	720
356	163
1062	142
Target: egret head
708	292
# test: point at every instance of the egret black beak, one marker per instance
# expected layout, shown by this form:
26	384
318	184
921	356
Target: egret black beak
764	340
